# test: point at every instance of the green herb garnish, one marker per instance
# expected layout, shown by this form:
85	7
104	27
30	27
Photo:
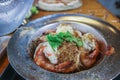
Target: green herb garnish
55	40
34	10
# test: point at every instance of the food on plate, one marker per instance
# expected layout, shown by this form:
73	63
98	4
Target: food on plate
58	5
67	50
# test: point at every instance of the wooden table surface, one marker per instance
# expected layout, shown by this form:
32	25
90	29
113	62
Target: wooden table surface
89	7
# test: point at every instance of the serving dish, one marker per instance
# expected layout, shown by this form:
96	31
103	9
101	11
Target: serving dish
12	14
21	59
59	5
3	44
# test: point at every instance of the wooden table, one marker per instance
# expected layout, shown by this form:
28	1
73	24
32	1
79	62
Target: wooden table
90	7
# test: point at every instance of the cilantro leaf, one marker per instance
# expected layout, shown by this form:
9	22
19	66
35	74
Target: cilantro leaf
55	40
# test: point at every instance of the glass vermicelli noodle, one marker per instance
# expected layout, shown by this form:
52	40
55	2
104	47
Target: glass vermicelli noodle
67	50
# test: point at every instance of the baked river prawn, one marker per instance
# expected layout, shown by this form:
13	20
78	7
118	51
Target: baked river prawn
67	50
